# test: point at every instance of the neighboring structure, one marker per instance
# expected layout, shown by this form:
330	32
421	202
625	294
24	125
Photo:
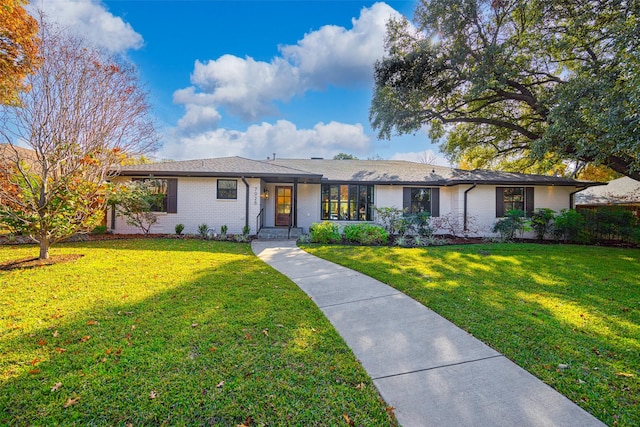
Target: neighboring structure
239	192
623	192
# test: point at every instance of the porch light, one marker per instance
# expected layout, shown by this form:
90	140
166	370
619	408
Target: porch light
265	194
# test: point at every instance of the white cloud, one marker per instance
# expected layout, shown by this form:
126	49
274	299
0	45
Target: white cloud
91	20
331	55
334	55
426	156
261	141
246	87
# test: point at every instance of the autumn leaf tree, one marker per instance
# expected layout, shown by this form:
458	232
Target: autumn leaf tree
84	113
137	201
514	84
18	49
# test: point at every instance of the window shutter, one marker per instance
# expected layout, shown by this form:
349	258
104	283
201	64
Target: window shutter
406	200
499	202
172	195
528	201
435	202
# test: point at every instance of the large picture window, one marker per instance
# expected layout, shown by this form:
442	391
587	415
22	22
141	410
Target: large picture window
514	198
227	189
347	202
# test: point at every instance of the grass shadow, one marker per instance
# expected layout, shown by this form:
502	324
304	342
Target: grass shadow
568	314
187	337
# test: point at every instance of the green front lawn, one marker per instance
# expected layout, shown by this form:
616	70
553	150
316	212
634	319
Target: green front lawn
568	314
176	332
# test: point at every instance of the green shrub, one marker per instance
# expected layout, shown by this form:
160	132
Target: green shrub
542	222
223	231
569	226
365	234
373	235
179	228
610	223
202	230
245	231
352	233
512	223
325	232
101	229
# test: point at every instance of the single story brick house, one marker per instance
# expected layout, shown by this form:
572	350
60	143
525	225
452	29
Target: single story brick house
295	193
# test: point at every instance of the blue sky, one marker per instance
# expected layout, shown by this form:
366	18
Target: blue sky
250	78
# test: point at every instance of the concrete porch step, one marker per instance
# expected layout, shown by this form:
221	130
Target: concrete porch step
277	233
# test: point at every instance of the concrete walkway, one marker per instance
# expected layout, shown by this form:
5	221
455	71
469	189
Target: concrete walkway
432	372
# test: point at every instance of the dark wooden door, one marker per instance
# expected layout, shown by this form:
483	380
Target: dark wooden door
283	206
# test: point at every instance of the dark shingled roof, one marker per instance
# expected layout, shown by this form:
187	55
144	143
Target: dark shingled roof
224	166
404	172
365	171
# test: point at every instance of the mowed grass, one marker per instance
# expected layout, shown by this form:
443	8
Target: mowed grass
568	314
175	332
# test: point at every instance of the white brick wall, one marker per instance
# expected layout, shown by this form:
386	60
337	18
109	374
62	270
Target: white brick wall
197	204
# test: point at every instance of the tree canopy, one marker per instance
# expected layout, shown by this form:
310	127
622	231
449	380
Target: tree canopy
18	49
344	156
84	113
517	84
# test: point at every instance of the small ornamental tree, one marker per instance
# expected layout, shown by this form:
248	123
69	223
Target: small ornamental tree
135	201
84	113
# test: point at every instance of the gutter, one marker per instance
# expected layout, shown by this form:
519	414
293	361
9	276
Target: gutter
246	208
466	219
571	198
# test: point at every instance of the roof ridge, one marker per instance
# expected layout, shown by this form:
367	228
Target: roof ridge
268	162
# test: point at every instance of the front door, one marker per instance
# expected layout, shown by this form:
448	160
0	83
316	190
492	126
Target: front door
283	206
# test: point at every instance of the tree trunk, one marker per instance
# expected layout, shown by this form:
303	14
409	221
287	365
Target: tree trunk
44	248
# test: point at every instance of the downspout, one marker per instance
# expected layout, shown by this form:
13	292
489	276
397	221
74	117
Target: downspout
466	216
571	198
246	210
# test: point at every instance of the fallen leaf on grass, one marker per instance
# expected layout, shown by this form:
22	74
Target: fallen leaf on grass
42	342
348	420
360	386
624	374
247	422
60	350
71	401
56	334
265	332
56	386
390	410
212	349
92	322
34	371
194	325
220	384
153	395
85	338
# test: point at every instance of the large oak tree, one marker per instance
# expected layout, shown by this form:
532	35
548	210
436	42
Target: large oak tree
85	112
511	83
